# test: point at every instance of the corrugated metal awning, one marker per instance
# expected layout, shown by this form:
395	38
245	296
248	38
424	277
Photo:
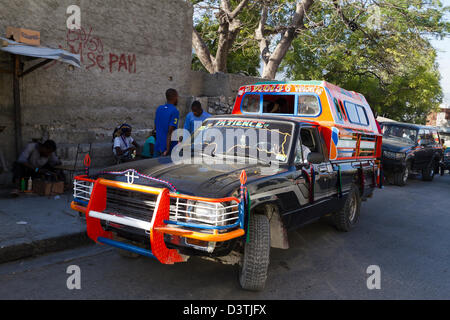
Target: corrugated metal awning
18	48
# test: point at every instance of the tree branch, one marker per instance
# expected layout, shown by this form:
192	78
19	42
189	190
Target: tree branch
260	35
238	9
202	51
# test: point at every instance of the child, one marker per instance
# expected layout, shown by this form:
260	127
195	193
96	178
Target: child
149	146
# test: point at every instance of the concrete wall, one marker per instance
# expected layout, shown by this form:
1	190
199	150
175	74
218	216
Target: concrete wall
217	92
218	84
132	51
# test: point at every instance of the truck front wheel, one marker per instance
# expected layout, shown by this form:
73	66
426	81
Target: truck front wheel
401	177
255	260
428	172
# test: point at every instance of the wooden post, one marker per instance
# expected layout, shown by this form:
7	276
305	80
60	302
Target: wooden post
17	67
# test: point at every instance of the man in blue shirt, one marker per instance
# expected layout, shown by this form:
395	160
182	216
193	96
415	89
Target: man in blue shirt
195	118
166	121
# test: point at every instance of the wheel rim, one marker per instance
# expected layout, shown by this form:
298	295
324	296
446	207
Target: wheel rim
406	175
352	209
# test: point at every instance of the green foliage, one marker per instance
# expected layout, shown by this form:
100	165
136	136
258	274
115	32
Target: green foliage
244	56
387	58
379	48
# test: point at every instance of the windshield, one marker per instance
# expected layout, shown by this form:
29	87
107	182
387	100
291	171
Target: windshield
263	140
405	134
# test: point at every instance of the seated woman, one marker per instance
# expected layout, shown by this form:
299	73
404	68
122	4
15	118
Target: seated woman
124	147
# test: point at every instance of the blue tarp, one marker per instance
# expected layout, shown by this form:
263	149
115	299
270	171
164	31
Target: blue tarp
41	52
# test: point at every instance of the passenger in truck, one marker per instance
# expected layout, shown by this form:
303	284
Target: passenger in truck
279	106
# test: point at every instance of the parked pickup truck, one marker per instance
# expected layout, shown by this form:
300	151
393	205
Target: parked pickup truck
410	148
238	196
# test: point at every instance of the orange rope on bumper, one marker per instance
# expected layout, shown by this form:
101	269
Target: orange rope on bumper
216	237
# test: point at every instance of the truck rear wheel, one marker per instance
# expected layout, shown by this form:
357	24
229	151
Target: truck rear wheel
348	216
255	260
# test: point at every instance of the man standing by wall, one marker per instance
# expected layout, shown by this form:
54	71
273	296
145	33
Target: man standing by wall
166	121
195	118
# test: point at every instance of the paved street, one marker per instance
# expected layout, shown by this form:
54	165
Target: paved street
405	231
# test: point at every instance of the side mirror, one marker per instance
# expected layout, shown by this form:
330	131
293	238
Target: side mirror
315	158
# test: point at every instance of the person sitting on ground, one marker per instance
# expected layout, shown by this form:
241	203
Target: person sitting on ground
124	145
195	118
37	160
148	150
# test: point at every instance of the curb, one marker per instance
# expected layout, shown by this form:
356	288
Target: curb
39	247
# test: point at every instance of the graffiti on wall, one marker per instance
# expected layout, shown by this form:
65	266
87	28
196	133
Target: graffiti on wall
92	53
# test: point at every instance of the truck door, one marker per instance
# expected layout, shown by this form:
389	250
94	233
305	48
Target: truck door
425	150
317	205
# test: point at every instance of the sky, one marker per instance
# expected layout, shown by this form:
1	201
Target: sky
443	59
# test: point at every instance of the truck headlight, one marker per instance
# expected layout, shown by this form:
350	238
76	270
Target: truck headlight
206	213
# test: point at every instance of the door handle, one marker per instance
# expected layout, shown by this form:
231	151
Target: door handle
323	170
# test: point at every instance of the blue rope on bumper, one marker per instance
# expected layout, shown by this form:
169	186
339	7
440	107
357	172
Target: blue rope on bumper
126	246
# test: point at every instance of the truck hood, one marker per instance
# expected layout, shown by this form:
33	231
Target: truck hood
396	145
204	180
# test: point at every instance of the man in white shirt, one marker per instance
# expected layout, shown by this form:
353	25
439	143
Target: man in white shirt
124	145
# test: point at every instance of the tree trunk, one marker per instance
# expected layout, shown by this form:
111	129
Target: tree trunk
203	53
272	61
229	26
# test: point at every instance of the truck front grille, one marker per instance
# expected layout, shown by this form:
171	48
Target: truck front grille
132	204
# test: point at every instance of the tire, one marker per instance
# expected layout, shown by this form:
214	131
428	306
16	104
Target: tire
255	260
428	172
400	178
346	219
